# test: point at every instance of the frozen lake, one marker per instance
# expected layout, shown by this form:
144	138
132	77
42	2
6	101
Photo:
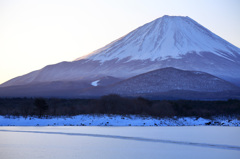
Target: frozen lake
120	142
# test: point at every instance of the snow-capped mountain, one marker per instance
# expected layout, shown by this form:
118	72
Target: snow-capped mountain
169	41
163	38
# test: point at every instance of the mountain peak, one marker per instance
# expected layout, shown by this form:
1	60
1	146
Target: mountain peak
172	17
163	38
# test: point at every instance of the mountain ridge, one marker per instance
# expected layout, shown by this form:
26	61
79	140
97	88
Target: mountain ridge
165	83
169	79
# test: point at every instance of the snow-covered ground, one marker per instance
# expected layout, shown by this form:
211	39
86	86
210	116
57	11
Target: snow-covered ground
198	142
116	120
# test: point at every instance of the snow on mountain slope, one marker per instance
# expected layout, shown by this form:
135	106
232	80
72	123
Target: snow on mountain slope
168	36
95	83
169	41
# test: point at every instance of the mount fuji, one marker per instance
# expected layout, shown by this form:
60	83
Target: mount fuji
169	41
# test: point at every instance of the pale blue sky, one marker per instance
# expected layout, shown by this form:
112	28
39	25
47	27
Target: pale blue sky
36	33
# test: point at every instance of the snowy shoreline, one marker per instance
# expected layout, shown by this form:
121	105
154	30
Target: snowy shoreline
116	120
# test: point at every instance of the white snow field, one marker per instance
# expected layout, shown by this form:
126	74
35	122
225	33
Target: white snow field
116	120
195	142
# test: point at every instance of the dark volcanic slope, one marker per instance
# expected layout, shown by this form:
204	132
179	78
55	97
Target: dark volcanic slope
166	83
55	89
168	79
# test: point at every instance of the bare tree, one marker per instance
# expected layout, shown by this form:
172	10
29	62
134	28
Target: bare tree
41	106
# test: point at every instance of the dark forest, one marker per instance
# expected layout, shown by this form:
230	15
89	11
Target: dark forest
115	104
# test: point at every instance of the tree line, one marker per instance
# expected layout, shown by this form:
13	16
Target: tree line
115	104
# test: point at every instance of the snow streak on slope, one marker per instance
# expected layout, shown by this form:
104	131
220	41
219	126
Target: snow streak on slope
168	36
95	83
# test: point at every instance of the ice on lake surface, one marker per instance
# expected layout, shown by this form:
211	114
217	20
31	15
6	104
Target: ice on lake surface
119	142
